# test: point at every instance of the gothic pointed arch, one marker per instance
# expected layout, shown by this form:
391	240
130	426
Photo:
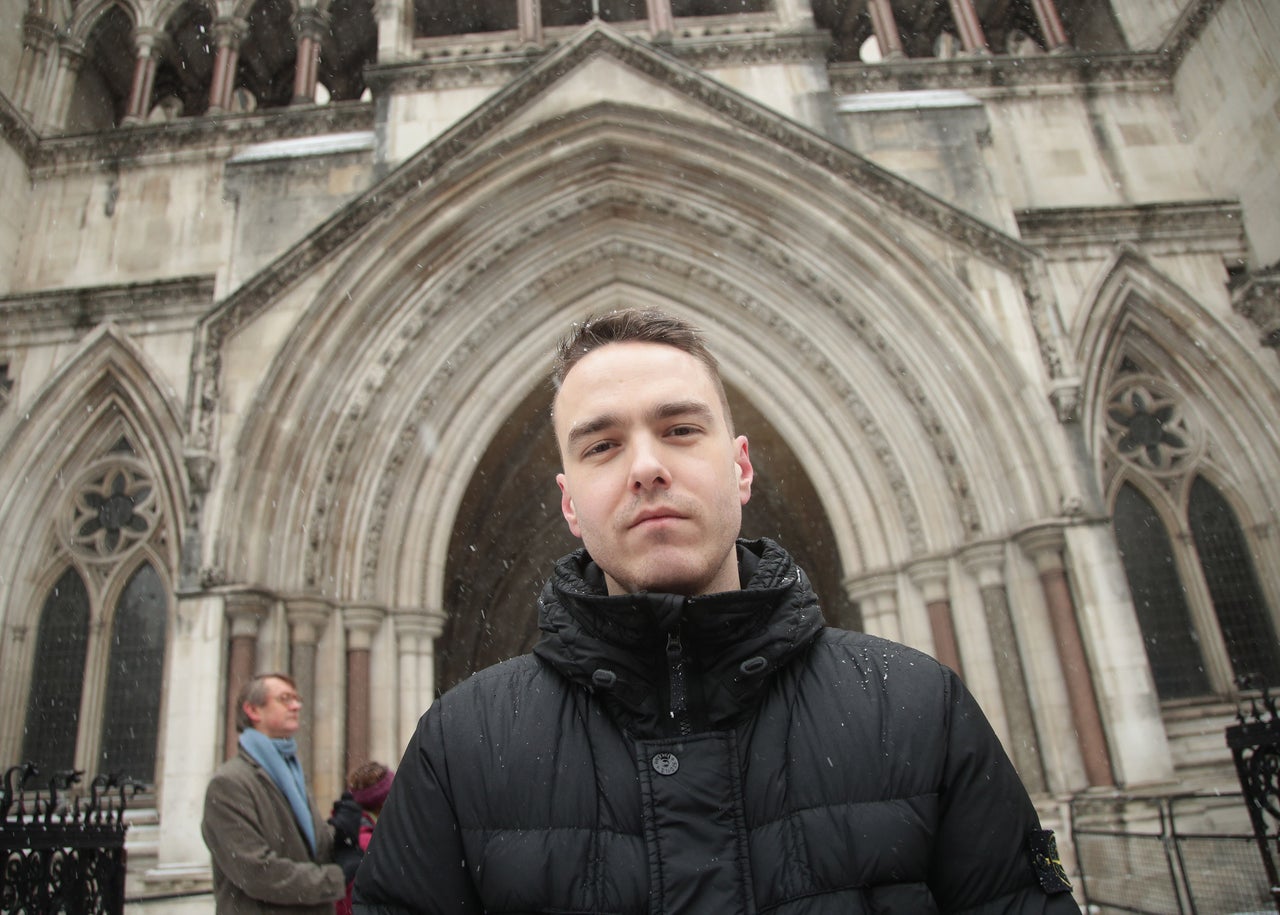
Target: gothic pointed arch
100	95
406	363
1176	411
103	499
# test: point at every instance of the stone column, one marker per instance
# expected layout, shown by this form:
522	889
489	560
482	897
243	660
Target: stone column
877	595
307	618
985	562
245	612
930	576
412	629
229	34
972	38
1055	35
58	101
885	27
361	623
529	15
197	651
309	25
662	24
39	39
1044	546
150	47
395	29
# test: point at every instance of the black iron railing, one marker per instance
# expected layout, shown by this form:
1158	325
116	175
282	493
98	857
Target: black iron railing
1255	746
63	853
1173	854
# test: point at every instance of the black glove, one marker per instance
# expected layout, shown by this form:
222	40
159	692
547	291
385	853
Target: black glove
346	818
348	858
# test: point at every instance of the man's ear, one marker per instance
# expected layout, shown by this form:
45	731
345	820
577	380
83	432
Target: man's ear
253	713
566	507
746	473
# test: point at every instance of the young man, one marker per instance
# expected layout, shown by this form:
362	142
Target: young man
271	849
688	736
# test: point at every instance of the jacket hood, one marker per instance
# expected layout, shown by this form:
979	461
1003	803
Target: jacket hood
729	644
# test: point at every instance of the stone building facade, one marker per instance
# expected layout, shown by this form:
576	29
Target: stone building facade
993	282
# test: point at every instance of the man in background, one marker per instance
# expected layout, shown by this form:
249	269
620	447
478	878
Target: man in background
272	850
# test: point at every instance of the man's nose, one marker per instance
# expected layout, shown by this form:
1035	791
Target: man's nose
647	466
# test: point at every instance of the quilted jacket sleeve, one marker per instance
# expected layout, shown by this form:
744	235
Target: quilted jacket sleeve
990	852
416	861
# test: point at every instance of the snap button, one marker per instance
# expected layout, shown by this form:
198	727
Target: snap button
665	763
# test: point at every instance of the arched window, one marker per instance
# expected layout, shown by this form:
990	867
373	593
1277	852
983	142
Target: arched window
1233	586
1158	597
53	705
97	665
135	675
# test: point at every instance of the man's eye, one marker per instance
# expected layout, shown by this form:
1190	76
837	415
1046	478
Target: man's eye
597	448
682	430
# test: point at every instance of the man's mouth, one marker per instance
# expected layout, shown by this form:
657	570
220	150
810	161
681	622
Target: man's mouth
656	516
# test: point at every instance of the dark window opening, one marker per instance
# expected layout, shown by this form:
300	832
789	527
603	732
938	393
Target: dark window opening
135	678
437	18
350	43
1173	648
267	64
57	677
101	96
1233	586
185	74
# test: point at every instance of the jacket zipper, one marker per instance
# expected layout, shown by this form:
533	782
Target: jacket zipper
679	689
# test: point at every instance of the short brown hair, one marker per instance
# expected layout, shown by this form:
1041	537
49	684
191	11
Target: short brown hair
636	325
254	692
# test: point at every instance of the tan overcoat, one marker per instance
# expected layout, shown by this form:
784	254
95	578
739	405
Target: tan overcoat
261	863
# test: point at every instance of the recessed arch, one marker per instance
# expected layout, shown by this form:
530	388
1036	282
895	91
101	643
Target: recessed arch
433	325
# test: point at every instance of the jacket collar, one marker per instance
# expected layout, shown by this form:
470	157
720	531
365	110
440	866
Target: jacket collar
732	643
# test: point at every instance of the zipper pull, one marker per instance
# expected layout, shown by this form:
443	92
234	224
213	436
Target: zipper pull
675	667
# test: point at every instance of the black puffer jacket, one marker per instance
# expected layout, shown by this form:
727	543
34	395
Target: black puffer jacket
721	754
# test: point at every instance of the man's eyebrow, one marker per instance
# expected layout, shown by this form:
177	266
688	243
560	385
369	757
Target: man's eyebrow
589	427
692	408
696	409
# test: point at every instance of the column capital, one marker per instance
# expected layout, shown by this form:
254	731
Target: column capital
307	616
1044	544
310	22
872	587
230	31
38	31
361	622
418	621
246	609
150	41
72	53
985	561
931	576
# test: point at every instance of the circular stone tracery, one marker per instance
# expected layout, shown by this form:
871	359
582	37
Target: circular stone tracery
112	509
1148	426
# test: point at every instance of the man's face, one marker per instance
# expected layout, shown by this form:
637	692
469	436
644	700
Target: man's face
278	716
653	482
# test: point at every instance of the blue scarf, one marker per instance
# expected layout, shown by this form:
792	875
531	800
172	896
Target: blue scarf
279	756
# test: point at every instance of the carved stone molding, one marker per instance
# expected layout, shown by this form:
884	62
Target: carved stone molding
61	313
1257	298
999	73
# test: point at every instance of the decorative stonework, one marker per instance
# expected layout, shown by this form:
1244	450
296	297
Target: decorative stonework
112	509
40	316
215	136
1258	298
1203	225
1147	426
999	73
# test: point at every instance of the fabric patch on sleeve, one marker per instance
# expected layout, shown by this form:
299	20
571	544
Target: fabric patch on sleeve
1047	863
